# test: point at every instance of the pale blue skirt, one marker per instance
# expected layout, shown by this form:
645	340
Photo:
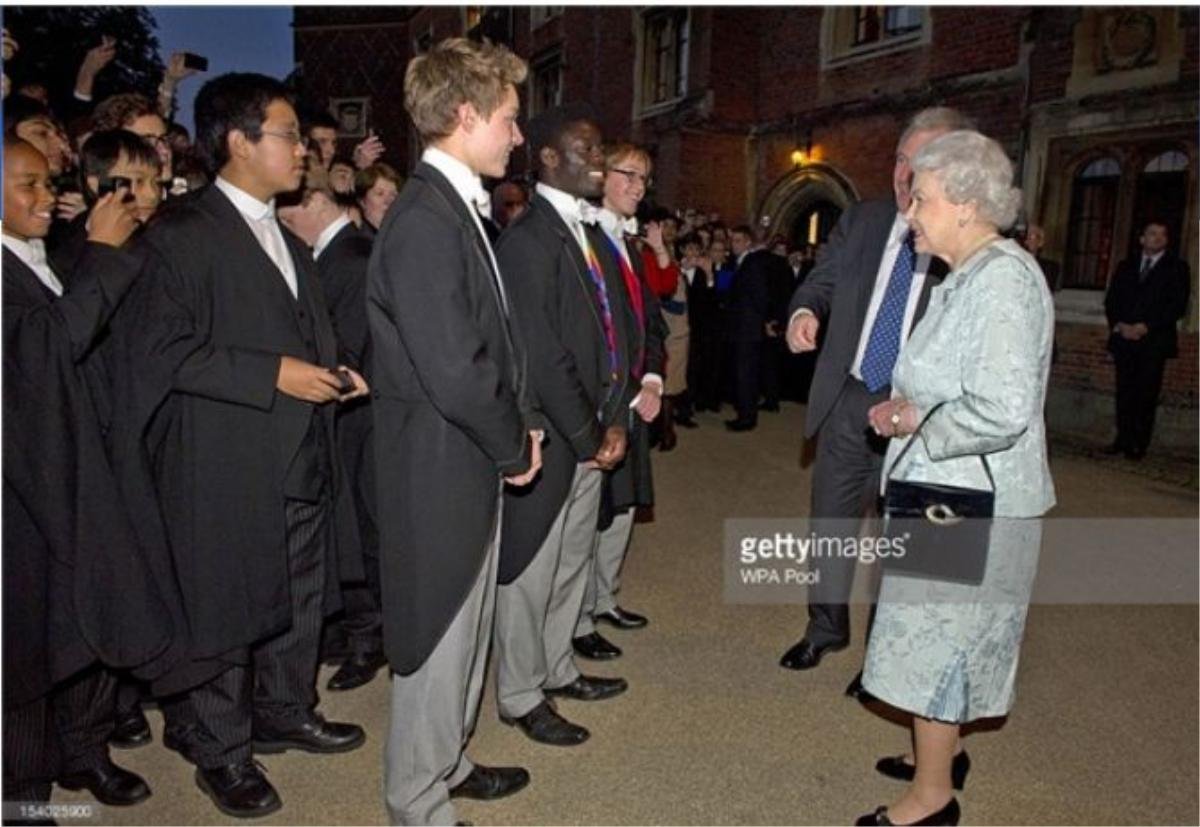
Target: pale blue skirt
947	651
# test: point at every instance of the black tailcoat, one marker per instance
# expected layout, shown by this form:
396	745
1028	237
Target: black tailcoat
576	394
448	377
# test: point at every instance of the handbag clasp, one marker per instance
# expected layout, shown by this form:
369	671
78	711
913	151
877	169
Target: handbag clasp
942	514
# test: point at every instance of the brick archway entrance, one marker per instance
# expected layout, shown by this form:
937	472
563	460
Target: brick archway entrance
807	199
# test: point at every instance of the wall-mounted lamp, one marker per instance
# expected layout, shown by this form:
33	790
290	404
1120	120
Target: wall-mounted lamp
802	154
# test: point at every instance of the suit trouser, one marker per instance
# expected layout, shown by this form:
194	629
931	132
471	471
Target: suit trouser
845	487
1139	382
774	360
279	683
537	612
747	367
85	709
433	710
604	578
31	751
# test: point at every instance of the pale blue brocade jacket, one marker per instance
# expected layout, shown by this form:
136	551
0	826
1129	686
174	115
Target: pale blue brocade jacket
983	348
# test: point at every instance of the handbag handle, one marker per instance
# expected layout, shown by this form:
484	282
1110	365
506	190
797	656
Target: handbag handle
986	468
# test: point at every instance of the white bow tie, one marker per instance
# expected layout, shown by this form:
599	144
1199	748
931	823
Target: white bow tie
37	251
616	225
483	202
589	214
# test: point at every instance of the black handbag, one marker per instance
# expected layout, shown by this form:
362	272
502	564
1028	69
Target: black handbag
937	532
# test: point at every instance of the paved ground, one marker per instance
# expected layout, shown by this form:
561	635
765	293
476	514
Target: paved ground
712	731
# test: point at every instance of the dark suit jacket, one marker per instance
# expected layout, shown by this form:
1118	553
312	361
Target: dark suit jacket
342	272
448	376
575	394
76	583
1158	302
197	351
839	290
748	304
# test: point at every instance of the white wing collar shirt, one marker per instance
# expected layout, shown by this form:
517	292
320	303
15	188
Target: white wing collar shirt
260	217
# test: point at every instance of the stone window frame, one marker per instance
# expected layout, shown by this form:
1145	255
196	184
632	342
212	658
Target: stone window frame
840	44
643	63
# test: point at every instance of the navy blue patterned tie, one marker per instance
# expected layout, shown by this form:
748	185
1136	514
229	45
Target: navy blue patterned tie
884	344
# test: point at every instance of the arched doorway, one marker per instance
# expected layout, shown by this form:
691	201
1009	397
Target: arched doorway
804	205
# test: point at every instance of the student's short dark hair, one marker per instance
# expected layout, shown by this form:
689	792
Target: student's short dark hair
18	109
743	229
322	120
1155	221
237	100
103	150
342	161
548	127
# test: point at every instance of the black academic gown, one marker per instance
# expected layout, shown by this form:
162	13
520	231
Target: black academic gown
77	586
576	394
200	432
630	483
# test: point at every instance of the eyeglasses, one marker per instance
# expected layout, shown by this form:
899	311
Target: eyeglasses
294	138
634	176
155	141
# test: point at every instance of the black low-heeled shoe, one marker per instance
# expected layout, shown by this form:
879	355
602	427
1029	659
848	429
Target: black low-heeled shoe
896	767
948	816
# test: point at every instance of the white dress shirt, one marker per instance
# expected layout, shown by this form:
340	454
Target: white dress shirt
567	206
328	233
260	218
468	186
33	253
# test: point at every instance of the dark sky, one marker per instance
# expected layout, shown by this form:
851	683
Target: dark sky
233	38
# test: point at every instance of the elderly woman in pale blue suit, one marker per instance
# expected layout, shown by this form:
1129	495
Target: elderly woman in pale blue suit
945	652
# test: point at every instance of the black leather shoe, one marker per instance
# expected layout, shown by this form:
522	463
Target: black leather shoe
544	725
895	766
314	734
239	790
595	646
109	784
805	655
131	730
686	422
589	688
487	783
622	619
855	690
738	426
356	671
948	815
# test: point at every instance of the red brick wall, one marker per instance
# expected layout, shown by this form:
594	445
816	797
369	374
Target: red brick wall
1085	364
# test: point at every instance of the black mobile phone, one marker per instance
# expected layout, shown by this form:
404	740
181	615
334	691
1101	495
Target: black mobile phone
114	183
347	381
194	61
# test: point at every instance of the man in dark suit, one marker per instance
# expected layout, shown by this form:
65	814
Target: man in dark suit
68	540
867	277
226	365
342	252
1148	294
569	300
747	309
451	426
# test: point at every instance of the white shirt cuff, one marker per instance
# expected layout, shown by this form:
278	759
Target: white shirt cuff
803	311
